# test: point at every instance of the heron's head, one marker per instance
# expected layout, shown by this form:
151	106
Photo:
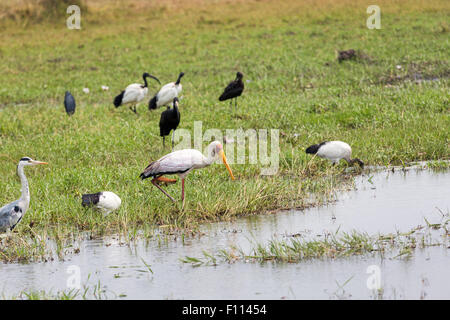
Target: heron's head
239	75
216	150
26	161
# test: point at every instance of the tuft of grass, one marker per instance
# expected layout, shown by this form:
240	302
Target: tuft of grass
332	246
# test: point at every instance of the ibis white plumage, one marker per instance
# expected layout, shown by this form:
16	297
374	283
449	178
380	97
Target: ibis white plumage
166	94
106	201
12	213
182	162
134	93
334	151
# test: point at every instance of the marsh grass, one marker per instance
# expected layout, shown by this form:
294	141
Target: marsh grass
334	246
286	49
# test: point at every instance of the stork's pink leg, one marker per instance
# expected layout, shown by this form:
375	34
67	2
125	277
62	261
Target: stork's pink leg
182	190
154	181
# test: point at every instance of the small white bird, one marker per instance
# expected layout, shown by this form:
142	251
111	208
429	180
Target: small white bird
182	162
334	151
12	213
134	93
167	93
106	201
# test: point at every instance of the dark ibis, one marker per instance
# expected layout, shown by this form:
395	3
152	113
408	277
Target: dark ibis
233	90
170	119
69	103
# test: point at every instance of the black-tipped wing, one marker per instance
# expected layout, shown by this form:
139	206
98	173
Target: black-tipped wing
118	99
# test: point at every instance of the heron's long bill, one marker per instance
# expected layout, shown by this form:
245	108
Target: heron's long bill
39	162
226	163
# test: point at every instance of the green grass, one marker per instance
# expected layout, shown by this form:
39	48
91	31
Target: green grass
333	246
287	51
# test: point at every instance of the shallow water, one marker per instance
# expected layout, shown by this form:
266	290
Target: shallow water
382	202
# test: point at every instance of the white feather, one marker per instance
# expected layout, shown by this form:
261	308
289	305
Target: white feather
167	93
335	151
134	93
108	201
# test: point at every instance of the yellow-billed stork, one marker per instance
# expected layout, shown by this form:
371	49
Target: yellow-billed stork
182	162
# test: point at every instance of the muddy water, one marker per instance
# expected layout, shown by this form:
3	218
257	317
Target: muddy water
382	202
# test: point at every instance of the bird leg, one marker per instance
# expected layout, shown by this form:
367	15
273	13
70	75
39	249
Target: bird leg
173	136
164	142
162	190
165	180
182	192
133	109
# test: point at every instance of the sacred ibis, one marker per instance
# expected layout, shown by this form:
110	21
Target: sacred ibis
134	93
181	162
170	119
106	201
166	94
12	213
334	151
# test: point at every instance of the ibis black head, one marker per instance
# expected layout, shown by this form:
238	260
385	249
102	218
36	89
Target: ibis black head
179	77
239	75
146	75
314	148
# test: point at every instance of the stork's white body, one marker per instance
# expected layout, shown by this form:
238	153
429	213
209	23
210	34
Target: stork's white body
181	162
335	151
134	93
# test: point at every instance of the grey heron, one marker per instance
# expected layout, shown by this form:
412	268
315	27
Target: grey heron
12	213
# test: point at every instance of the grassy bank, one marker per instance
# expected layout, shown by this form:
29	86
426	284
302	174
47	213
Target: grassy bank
391	104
